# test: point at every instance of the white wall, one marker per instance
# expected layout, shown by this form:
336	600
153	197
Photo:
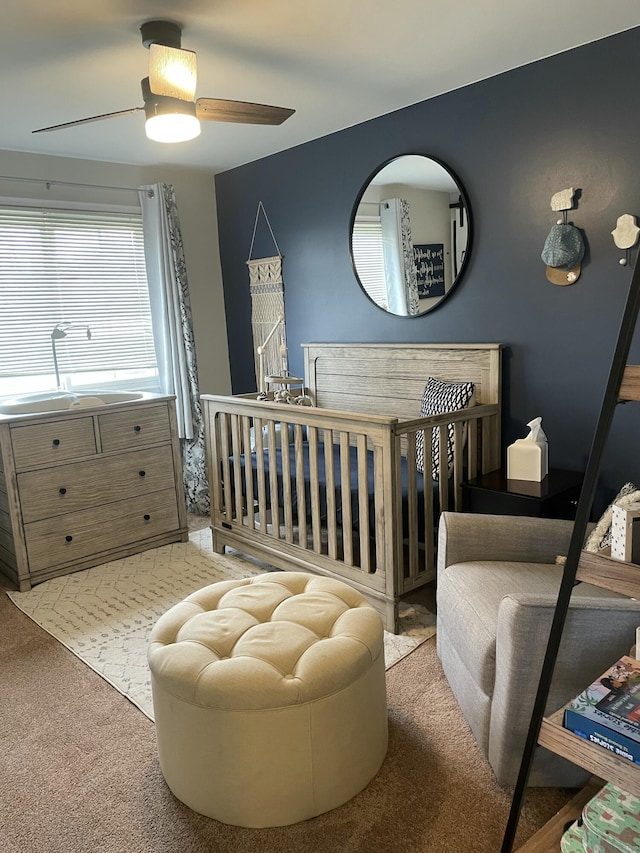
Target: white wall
195	197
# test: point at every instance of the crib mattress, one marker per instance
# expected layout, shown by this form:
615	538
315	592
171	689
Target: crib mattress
276	456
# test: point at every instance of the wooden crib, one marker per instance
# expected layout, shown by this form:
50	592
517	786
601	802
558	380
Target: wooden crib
334	489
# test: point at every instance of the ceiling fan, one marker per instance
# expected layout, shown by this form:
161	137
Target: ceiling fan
172	114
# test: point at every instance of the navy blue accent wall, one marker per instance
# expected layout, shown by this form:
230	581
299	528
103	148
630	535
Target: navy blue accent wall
513	141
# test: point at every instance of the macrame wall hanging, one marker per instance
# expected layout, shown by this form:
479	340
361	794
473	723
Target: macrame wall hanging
267	310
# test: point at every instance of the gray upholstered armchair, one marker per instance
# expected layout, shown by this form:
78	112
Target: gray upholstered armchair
496	592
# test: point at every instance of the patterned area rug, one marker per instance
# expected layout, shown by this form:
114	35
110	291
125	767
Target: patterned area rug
104	614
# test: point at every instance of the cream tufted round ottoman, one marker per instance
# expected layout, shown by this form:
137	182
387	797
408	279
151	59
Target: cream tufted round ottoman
269	697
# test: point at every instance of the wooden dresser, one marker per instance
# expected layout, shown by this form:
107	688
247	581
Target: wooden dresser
85	486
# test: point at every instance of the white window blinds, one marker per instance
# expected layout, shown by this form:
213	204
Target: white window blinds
81	267
368	257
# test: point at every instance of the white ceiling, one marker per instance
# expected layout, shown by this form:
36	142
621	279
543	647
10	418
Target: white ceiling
416	171
337	62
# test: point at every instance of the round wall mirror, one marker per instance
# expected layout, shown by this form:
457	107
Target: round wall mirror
410	235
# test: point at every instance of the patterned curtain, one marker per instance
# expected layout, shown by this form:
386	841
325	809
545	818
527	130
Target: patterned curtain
399	264
411	278
173	333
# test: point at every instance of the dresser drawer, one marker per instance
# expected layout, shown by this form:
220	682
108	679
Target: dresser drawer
76	535
80	485
134	427
54	441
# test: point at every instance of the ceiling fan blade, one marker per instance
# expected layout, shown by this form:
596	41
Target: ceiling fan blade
172	72
87	120
216	109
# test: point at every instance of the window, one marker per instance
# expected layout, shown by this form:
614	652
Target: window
86	269
368	257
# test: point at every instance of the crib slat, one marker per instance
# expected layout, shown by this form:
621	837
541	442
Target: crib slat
248	471
300	487
345	490
429	521
286	481
214	465
226	467
273	480
412	506
314	489
363	503
458	460
237	465
260	475
379	508
330	478
472	449
443	468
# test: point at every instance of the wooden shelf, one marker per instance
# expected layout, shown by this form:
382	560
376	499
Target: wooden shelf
548	837
596	759
630	385
605	572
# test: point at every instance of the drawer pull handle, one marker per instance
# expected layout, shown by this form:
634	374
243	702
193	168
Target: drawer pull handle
137	428
142	473
62	491
56	442
147	517
68	538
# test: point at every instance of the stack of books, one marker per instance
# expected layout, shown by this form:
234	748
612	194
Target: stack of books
608	711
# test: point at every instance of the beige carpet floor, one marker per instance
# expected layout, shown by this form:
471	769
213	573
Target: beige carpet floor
79	773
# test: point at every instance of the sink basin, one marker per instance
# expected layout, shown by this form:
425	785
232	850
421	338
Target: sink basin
56	401
101	398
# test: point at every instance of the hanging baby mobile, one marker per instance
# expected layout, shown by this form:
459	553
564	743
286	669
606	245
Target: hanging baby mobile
268	324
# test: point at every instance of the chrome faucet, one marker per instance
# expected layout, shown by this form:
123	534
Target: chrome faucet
60	331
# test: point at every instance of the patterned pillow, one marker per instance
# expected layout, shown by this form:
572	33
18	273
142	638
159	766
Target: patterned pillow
438	398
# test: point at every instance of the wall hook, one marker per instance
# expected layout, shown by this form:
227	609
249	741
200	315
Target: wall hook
625	235
564	247
563	201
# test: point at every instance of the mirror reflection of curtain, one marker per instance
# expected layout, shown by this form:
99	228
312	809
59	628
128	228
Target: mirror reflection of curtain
173	333
397	247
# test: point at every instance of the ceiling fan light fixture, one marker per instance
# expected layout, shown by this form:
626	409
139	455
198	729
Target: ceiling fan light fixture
172	127
172	71
168	93
171	120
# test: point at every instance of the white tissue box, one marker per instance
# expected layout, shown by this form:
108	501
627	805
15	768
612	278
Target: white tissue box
625	532
527	460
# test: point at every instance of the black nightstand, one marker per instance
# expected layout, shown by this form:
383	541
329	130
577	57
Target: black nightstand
555	497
